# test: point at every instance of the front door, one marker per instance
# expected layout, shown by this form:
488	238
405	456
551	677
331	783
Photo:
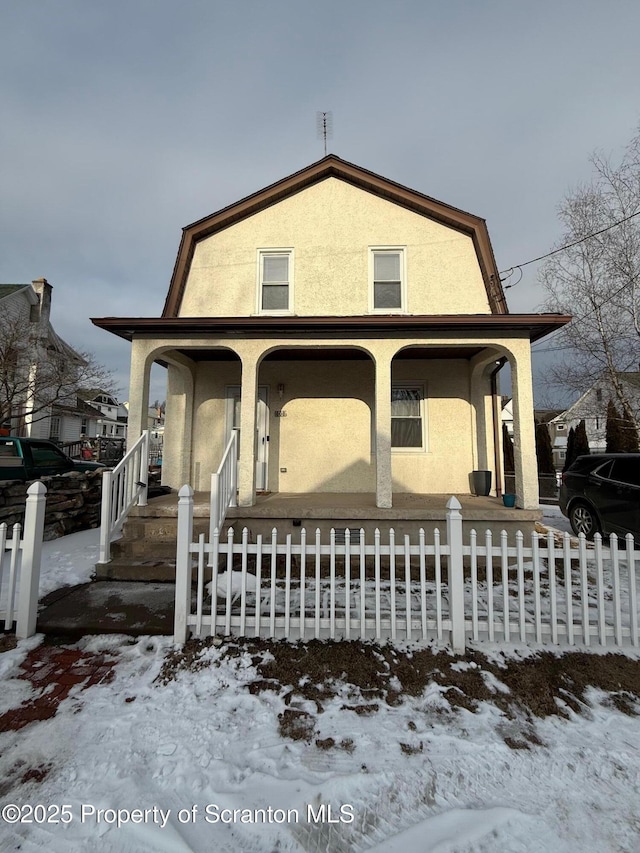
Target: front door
262	430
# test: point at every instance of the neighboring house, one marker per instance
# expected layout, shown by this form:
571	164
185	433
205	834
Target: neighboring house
37	366
592	408
351	329
507	414
155	425
112	418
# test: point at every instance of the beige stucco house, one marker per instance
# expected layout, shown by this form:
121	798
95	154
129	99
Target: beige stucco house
351	329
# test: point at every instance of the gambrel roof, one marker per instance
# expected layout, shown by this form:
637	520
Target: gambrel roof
332	166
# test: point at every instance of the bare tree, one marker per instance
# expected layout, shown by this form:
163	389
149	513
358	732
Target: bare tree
39	372
598	280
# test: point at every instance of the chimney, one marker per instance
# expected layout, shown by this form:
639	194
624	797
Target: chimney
43	289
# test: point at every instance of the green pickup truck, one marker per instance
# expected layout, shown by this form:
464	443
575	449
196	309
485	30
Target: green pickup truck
33	458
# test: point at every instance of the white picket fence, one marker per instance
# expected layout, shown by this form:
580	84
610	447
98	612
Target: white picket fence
124	486
20	558
450	591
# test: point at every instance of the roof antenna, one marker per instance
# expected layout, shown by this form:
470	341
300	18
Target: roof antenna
324	126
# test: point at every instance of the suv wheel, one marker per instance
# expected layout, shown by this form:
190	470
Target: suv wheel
584	520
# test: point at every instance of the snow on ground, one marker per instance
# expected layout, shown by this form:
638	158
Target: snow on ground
68	561
411	778
553	519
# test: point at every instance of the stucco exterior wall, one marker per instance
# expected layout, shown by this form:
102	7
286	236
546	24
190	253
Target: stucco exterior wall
330	227
321	429
209	420
323	434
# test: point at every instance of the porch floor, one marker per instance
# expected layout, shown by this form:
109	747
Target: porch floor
348	505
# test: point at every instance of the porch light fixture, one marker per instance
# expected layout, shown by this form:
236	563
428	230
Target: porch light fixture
281	390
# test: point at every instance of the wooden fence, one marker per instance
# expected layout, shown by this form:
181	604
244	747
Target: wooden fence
449	591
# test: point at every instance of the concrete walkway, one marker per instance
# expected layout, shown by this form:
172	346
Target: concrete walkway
109	607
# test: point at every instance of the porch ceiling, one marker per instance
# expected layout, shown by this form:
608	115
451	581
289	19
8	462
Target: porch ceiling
315	353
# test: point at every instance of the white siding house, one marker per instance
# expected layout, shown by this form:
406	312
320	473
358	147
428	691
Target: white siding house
33	358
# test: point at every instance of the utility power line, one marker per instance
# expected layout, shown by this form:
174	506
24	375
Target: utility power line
515	267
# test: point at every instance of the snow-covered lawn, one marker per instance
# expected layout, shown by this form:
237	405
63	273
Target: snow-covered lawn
425	774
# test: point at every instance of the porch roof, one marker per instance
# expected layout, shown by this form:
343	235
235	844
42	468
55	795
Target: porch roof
534	326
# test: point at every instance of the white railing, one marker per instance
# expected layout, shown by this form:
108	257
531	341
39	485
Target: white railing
122	487
224	485
20	565
397	589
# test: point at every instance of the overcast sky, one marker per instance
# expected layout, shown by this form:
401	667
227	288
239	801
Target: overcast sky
122	121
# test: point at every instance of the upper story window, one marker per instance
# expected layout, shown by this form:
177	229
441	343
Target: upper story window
387	274
275	281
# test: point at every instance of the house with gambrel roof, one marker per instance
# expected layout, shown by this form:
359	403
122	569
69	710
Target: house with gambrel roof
352	330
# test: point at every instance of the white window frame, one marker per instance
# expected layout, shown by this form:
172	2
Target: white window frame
262	253
55	428
402	251
422	389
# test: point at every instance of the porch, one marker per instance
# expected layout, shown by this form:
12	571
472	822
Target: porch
319	412
147	549
289	511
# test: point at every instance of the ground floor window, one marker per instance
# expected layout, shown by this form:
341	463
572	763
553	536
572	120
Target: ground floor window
407	417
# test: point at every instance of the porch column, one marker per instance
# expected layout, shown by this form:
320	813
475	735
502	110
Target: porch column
138	390
524	438
248	404
178	438
384	498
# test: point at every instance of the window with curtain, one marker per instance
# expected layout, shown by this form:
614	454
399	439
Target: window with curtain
407	417
275	272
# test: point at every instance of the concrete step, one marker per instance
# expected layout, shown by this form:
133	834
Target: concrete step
148	569
152	538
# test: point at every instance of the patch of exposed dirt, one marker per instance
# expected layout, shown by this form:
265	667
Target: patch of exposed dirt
7	642
366	676
297	725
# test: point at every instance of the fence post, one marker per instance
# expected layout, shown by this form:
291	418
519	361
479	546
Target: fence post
105	517
214	510
31	557
456	574
183	564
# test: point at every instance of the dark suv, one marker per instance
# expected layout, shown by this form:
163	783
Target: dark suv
601	494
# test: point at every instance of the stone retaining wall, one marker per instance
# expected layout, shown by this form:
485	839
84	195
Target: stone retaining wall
73	502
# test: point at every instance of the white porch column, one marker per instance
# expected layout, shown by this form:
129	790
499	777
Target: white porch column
138	390
178	438
384	497
248	404
524	438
